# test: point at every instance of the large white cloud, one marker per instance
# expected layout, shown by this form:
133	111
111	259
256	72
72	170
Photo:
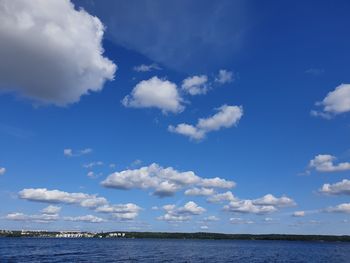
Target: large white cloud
264	205
93	202
269	199
180	214
155	93
51	52
195	85
226	117
325	163
2	170
164	181
247	206
336	102
57	196
341	208
339	188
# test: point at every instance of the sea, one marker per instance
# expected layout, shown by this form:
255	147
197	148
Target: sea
169	250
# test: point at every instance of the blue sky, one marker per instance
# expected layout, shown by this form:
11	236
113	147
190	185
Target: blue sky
226	116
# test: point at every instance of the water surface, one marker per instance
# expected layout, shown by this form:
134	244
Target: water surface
168	250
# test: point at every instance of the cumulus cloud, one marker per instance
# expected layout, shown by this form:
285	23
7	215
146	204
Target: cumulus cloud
217	182
127	211
199	191
247	206
51	209
147	68
226	117
2	170
342	208
70	153
339	188
180	214
164	181
264	205
269	199
93	202
298	214
195	85
325	163
224	76
86	219
155	93
336	102
50	58
221	197
57	196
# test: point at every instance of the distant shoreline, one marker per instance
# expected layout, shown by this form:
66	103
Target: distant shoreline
172	235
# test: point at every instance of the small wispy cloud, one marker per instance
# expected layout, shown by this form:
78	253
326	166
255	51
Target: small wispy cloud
147	68
71	153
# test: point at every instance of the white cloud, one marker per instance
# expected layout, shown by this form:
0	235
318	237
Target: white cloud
86	218
56	196
70	153
211	219
221	197
204	227
93	202
299	214
41	218
51	209
325	163
180	214
224	76
2	170
92	164
247	206
164	181
340	188
127	211
48	57
336	102
92	174
199	191
264	205
342	208
226	117
146	68
217	182
195	85
155	93
269	199
187	130
240	221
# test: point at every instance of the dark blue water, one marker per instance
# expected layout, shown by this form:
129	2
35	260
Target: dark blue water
165	250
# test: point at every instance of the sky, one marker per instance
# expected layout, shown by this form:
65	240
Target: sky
187	116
